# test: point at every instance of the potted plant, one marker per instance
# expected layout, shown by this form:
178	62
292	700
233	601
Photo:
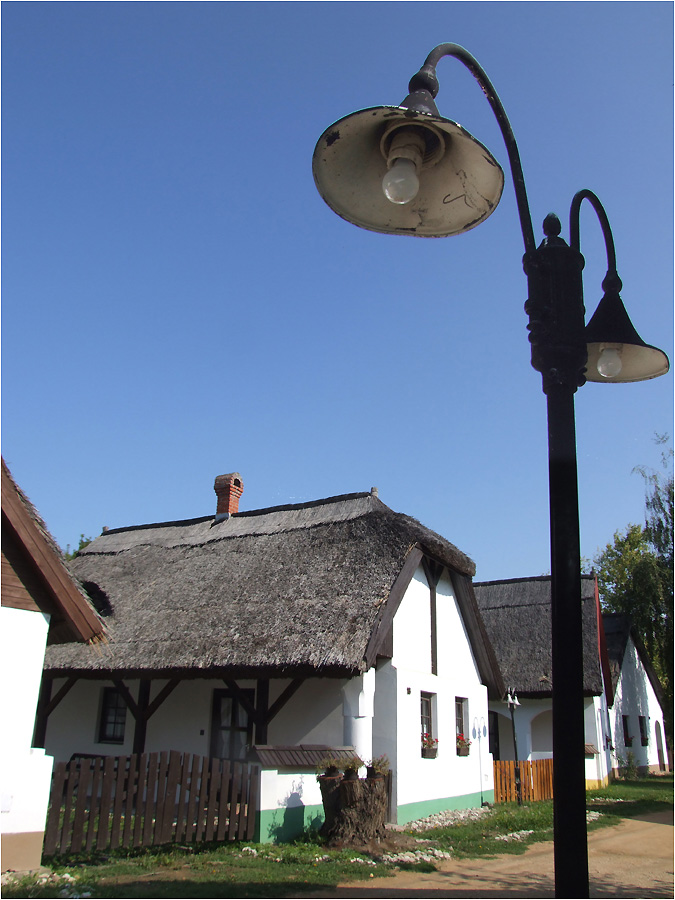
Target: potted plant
429	746
378	767
330	767
462	745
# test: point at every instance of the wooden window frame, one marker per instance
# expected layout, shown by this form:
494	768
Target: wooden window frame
220	693
428	721
112	720
461	719
644	730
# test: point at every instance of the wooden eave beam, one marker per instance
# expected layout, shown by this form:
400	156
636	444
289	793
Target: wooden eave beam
488	667
60	694
284	697
241	698
168	689
392	603
53	573
128	699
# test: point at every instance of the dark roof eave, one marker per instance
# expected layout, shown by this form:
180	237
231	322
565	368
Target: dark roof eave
211	673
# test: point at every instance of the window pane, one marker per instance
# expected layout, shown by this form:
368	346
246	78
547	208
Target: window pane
113	717
460	705
426	714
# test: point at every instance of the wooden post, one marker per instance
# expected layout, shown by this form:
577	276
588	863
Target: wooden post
262	702
40	732
141	715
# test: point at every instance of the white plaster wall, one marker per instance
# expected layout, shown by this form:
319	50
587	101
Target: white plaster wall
183	722
23	642
596	766
313	715
25	772
448	775
534	735
72	727
282	790
635	696
524	716
25	791
385	719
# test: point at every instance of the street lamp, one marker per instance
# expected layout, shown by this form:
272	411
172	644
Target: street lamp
480	731
408	170
512	702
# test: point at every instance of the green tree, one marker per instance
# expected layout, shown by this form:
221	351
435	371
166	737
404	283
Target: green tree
83	543
635	574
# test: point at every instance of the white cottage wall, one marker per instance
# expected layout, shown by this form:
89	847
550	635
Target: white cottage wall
183	722
25	771
425	786
72	726
634	697
534	734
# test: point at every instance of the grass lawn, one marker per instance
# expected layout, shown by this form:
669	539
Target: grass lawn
264	870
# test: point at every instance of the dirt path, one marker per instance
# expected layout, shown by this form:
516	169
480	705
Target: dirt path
632	860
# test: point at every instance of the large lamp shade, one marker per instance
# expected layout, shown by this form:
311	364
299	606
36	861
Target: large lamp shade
460	182
610	333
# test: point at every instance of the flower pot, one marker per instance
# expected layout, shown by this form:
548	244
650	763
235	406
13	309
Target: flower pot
429	752
462	751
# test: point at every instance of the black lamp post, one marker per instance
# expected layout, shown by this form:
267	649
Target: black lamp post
407	170
513	703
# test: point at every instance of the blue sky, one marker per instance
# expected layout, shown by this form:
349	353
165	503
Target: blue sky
179	302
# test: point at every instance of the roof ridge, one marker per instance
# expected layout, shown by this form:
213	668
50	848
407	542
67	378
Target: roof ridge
528	579
246	513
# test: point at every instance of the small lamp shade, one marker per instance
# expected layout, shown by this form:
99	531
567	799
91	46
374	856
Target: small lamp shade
460	181
615	346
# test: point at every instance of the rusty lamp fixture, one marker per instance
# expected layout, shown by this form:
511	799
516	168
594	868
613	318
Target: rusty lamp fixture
407	170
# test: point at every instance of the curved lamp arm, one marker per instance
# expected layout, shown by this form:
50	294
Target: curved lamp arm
426	79
612	279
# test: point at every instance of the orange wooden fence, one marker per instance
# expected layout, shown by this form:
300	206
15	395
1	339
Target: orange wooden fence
536	779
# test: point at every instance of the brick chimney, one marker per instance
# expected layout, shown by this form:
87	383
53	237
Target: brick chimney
229	489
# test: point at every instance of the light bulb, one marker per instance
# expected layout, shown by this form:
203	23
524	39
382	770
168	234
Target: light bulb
609	363
401	183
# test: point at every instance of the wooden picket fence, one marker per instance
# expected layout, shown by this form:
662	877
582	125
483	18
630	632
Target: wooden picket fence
106	802
536	779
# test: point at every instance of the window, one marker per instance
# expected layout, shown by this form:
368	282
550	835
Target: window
231	728
644	731
429	740
460	717
627	739
113	717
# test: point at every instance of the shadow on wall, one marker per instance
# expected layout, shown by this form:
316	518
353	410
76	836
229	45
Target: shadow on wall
289	823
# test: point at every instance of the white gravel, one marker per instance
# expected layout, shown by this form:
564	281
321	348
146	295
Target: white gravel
448	817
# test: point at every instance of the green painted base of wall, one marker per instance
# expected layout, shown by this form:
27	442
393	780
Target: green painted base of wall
275	826
408	812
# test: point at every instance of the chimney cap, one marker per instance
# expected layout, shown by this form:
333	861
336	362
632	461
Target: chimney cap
233	478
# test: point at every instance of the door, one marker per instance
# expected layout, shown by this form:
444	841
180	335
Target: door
231	728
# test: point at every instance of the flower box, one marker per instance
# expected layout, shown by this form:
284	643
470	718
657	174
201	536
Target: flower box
429	752
462	751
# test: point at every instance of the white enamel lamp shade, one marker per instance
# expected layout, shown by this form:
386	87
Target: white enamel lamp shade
460	182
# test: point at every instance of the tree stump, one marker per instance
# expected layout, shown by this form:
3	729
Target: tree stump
355	809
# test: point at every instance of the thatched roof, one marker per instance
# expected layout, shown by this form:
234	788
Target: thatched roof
618	628
288	590
517	616
35	574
